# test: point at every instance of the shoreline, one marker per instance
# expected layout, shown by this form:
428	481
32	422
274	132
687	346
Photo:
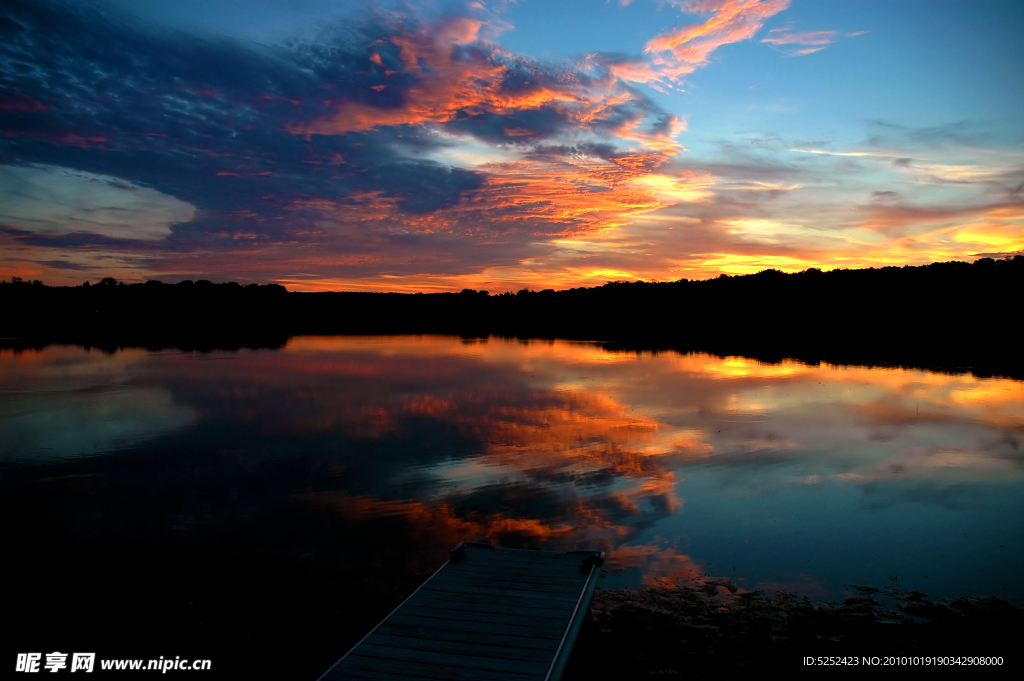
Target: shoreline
293	617
710	631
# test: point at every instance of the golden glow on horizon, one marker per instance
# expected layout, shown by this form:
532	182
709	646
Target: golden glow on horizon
623	234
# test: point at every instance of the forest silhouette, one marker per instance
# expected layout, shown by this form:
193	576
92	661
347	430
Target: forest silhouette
947	316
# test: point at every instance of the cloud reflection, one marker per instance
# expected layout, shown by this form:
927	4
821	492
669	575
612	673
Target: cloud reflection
553	444
65	403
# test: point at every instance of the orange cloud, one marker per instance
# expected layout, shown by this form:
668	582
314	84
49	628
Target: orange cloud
564	195
459	75
634	71
445	85
681	52
453	82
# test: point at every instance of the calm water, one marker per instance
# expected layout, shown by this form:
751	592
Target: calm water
776	476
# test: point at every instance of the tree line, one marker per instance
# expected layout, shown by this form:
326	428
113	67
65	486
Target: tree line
950	312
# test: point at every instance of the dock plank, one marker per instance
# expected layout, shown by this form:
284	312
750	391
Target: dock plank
492	591
471	659
518	577
471	616
487	599
486	638
488	614
419	670
451	606
366	675
534	629
511	582
527	558
463	647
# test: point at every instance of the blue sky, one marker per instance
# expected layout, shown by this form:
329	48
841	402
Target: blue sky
433	146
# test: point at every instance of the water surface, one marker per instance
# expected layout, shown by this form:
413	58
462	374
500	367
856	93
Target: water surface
388	450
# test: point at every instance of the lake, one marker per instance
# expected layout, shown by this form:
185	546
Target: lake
375	455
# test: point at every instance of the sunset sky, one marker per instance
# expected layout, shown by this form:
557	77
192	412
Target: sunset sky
494	145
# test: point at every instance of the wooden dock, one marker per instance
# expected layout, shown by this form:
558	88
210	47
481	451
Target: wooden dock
487	614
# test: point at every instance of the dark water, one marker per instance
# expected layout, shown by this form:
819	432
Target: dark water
372	456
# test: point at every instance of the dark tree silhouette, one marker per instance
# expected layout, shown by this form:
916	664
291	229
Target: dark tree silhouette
953	315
